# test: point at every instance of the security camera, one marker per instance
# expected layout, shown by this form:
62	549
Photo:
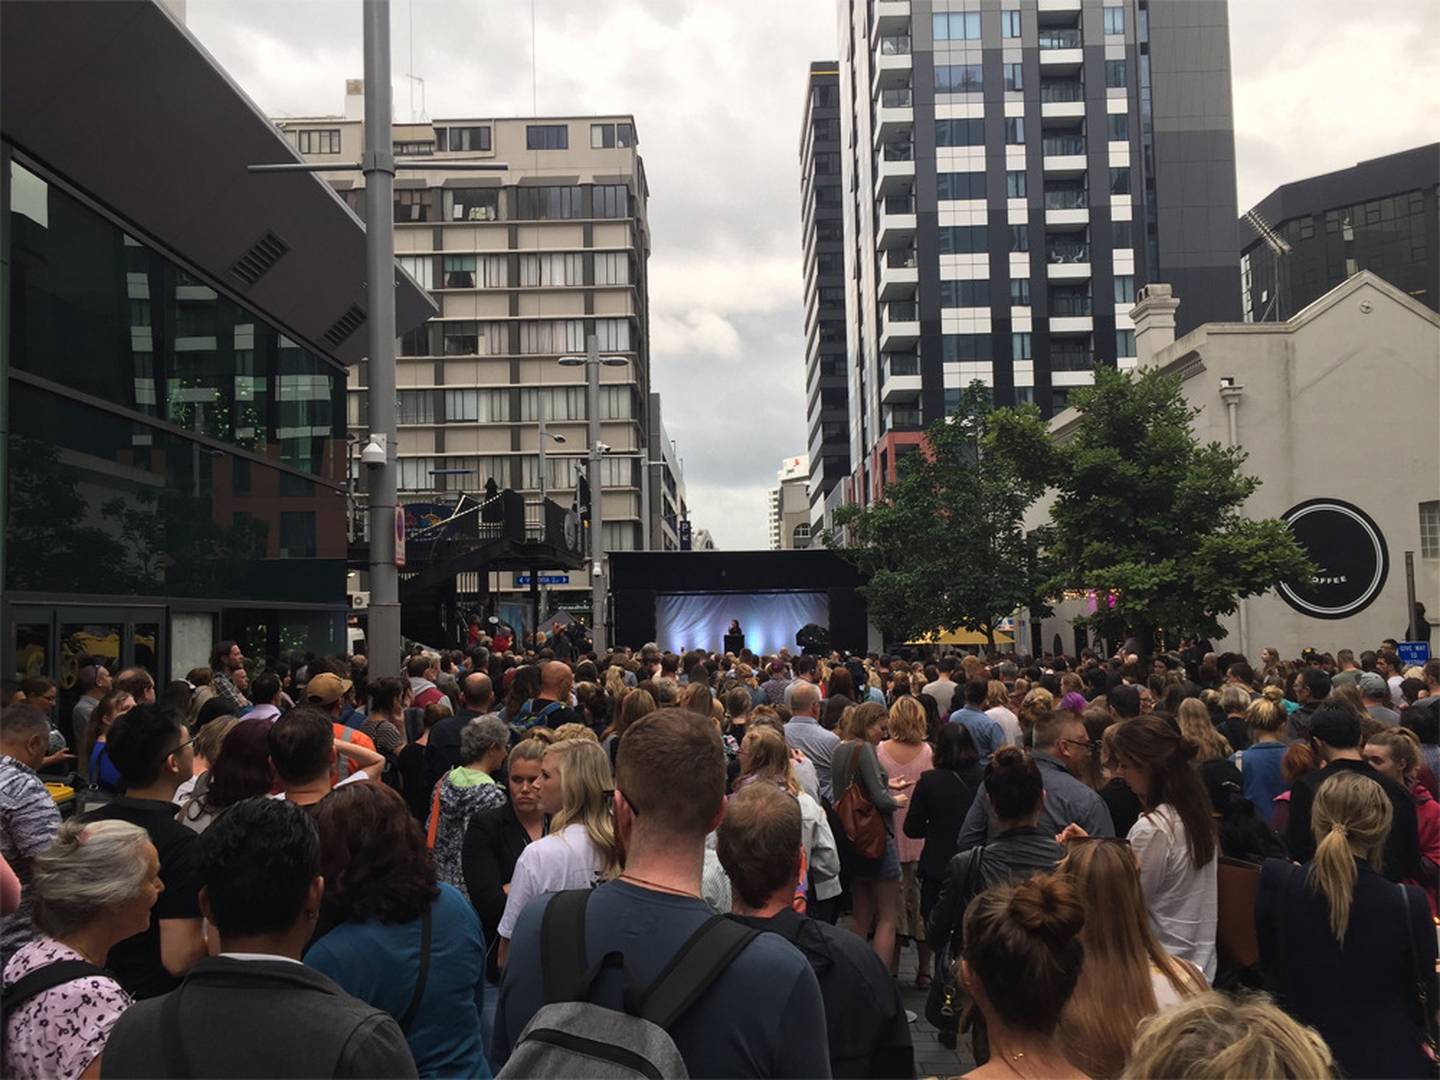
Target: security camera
374	453
604	448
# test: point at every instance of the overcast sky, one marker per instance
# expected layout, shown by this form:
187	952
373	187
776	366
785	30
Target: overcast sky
717	90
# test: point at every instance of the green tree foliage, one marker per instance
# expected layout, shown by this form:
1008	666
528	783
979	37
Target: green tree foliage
946	547
1150	517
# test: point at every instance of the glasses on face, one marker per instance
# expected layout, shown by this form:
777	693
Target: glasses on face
1086	744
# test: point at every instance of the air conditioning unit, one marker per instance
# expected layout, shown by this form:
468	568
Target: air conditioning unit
359	600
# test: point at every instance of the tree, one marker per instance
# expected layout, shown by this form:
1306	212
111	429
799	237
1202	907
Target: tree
1151	520
946	546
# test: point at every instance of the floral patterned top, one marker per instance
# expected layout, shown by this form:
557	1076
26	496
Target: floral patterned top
55	1035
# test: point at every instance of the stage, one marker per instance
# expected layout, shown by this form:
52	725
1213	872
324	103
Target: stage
686	599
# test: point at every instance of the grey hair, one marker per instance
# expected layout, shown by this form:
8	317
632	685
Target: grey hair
481	735
90	866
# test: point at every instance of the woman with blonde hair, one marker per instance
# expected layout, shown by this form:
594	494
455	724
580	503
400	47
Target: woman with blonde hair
906	756
1195	725
997	707
1395	752
1336	922
1215	1037
581	849
1037	703
764	758
1127	976
615	684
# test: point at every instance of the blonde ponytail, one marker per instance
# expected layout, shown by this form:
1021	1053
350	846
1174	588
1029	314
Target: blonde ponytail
1351	819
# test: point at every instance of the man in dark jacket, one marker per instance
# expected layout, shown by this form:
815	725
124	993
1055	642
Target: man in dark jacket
255	1010
759	845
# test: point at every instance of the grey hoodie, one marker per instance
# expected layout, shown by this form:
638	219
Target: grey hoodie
1012	856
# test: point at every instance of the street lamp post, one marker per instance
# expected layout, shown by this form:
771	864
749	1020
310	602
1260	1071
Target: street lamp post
592	360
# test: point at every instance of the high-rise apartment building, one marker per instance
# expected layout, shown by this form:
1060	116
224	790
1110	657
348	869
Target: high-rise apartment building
1013	172
1379	215
525	263
790	528
827	404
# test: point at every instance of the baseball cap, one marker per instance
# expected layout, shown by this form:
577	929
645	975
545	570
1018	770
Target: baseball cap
326	689
1373	684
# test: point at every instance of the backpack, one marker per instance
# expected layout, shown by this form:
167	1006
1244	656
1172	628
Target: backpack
572	1036
528	717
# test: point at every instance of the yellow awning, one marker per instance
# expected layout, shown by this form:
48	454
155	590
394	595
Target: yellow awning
961	637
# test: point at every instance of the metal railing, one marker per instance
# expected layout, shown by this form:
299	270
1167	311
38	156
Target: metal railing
904	420
1071	360
899	204
901	258
1062	144
902	311
895	45
901	364
898	152
1063	305
1059	39
1068	253
1066	200
1069	90
900	98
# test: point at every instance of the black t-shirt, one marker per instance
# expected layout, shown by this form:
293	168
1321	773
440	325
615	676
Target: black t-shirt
136	960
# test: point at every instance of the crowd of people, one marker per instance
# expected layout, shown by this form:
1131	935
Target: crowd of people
504	860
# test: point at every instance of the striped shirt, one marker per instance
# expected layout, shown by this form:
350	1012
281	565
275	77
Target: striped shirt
29	821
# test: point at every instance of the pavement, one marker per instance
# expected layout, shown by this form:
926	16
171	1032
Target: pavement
931	1059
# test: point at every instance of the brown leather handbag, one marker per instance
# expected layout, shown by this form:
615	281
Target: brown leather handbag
863	825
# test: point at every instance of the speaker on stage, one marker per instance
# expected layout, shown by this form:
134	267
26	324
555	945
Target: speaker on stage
735	643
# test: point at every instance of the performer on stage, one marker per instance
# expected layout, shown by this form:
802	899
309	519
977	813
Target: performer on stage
734	638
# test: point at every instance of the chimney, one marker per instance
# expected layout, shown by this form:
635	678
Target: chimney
1154	318
354	99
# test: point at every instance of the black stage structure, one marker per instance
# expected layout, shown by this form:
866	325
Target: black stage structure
696	593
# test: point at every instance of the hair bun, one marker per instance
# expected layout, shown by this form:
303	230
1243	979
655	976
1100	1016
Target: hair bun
1008	757
1048	907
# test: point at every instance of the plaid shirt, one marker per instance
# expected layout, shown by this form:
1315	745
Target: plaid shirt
29	821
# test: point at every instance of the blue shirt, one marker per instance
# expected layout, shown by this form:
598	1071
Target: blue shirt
1260	777
379	962
987	734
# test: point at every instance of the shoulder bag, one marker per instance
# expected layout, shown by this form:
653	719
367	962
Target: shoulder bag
863	825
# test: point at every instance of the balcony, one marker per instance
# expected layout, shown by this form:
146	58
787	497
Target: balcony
895	168
895	220
890	17
892	61
899	419
899	274
1064	155
1058	12
900	378
1068	260
1071	359
1067	208
1065	305
1062	100
1060	51
895	116
899	326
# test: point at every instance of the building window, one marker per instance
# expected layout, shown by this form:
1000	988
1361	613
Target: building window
1010	24
612	268
963	132
552	336
1014	76
611	201
318	141
472	204
416	342
560	403
957	78
958	294
547	137
1118	124
1124	288
1020	292
1430	529
477	406
415	407
609	136
1114	20
1015	185
548	203
1120	181
1019	238
957	26
1124	342
461	338
822	95
1020	347
1115	74
419	267
964	185
462	138
613	334
297	534
412	204
557	268
961	239
459	271
1015	131
955	347
1122	235
617	403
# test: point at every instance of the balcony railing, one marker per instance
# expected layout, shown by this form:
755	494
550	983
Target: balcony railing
1059	39
1068	253
1066	200
1063	144
1063	305
895	45
899	204
1068	90
898	152
1071	360
905	420
901	258
896	98
902	364
902	311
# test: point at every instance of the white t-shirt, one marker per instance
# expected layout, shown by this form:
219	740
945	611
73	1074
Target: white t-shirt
1181	900
1009	724
563	860
1165	993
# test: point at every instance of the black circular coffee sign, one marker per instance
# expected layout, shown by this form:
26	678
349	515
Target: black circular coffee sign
1349	554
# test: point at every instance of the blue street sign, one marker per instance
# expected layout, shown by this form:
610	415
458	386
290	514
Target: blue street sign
1413	653
545	579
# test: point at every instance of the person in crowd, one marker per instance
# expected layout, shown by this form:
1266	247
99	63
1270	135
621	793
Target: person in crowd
93	682
240	771
807	673
1336	922
1215	1037
1375	696
1299	760
906	757
1335	739
1021	962
1390	668
137	682
1120	801
495	839
774	687
581	848
1174	840
1234	703
393	935
266	693
760	848
637	703
154	754
986	733
938	807
874	883
94	746
997	707
224	662
551	706
1311	687
304	752
422	670
1259	763
1015	792
1062	748
804	732
1127	974
254	1010
465	791
942	687
764	758
1395	754
208	742
415	760
477	699
94	887
329	694
650	912
9	889
805	773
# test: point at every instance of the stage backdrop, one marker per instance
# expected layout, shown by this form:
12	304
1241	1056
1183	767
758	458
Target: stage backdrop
770	620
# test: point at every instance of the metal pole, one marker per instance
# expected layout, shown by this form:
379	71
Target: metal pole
597	543
540	399
1413	630
378	165
646	512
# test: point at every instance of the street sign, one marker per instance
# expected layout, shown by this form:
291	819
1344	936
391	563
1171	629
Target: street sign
400	537
545	579
1413	653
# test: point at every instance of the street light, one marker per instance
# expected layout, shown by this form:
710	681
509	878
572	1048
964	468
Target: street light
592	361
